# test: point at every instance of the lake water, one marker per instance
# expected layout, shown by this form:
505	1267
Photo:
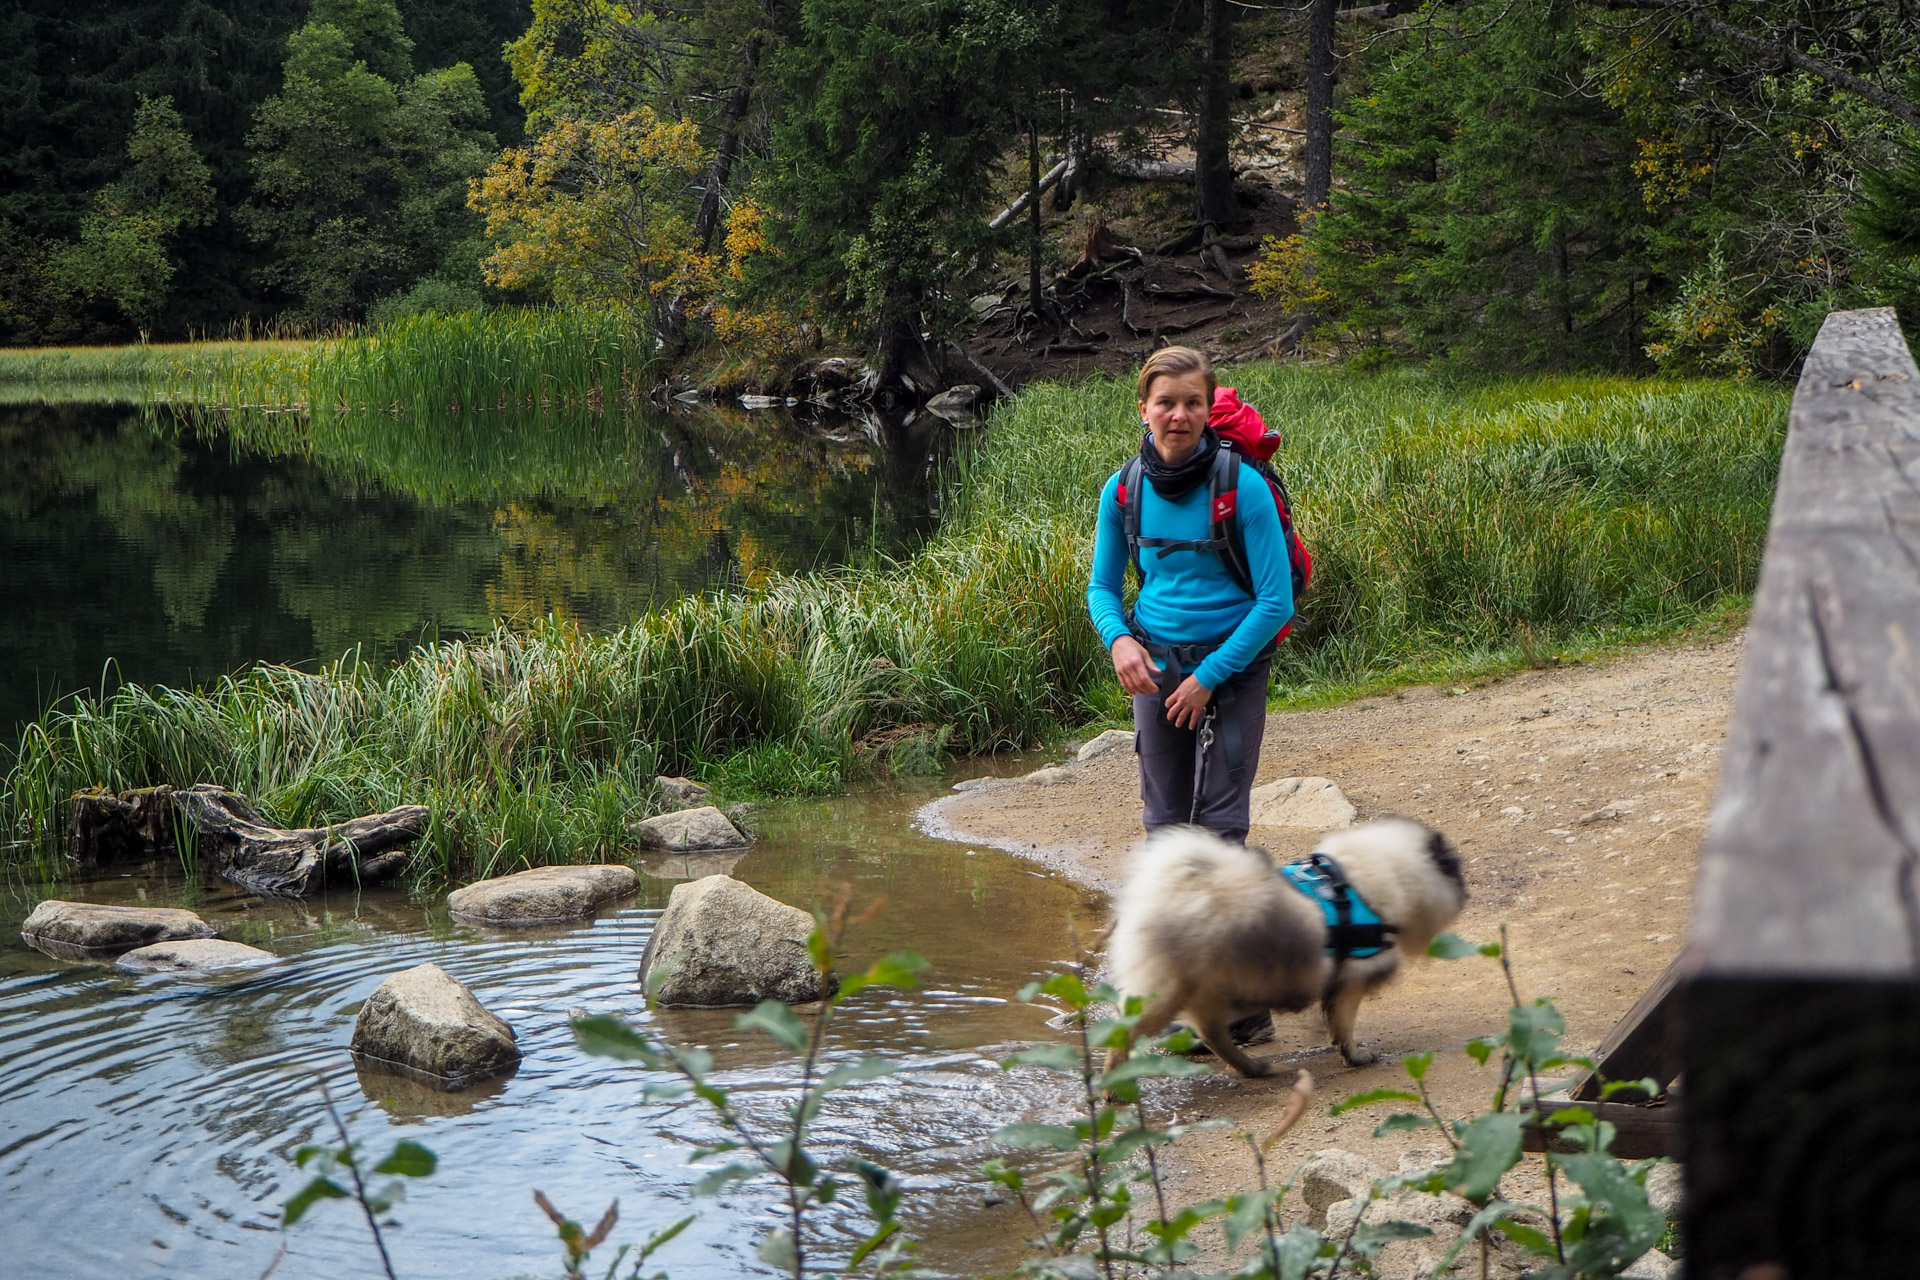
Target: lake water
149	1124
156	546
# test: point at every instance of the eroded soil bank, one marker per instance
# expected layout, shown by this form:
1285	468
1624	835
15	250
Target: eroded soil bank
1577	796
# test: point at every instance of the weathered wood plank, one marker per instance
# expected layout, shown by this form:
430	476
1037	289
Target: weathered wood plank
1800	1010
1810	855
1640	1131
1644	1043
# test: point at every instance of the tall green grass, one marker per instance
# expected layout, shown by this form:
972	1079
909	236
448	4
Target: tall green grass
1448	517
487	360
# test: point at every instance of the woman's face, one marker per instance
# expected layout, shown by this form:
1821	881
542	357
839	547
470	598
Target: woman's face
1176	410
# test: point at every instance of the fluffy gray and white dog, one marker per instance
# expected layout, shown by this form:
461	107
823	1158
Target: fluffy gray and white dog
1210	932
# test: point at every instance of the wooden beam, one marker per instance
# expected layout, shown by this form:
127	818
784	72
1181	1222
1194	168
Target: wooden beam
1642	1045
1800	1010
1641	1130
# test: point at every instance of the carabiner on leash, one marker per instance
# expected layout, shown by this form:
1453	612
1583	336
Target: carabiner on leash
1200	780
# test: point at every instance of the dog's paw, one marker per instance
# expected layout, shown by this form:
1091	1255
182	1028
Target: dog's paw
1359	1056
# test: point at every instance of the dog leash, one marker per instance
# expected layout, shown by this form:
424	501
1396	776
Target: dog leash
1200	782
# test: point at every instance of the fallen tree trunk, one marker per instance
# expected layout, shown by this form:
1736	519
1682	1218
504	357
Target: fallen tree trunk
224	829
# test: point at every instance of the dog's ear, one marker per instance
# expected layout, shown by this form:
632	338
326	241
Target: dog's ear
1447	858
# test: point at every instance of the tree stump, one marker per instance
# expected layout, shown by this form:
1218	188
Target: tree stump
231	835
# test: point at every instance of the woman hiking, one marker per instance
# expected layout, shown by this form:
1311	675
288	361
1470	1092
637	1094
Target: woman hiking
1196	649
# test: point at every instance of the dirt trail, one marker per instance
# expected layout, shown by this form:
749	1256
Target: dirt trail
1577	797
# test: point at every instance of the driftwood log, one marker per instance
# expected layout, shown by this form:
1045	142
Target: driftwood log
222	828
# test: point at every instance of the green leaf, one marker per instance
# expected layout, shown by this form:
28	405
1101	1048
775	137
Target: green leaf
1403	1122
901	969
1066	988
1110	1033
1534	1030
1532	1239
819	948
1451	946
1482	1048
1186	1220
871	1243
850	1072
777	1250
304	1199
1626	1225
1479	1223
1031	1133
1370	1097
1246	1214
1056	1057
665	1234
606	1036
793	1163
1133	1140
1649	1086
409	1160
1152	1066
1488	1148
778	1021
664	1090
1295	1253
1368	1237
722	1178
308	1152
1417	1064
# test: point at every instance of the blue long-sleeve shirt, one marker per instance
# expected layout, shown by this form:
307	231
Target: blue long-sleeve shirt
1188	596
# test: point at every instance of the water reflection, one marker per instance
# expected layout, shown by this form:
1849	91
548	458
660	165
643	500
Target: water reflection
180	545
164	1115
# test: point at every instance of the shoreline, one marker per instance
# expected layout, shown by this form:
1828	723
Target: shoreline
1577	797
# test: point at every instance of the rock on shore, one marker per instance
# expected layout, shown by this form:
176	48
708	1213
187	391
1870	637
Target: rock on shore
425	1024
542	895
690	831
92	931
721	943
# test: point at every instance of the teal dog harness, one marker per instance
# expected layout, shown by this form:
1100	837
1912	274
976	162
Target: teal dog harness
1354	929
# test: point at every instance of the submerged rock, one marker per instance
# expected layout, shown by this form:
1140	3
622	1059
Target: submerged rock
683	792
721	942
1314	803
1111	740
425	1024
195	956
92	931
691	866
690	831
542	895
959	405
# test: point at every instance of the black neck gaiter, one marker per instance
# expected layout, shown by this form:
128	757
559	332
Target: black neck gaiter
1173	483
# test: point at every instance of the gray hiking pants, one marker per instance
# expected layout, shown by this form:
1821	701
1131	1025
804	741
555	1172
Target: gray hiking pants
1170	763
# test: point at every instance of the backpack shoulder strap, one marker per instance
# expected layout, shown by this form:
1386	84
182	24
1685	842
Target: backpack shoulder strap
1129	495
1223	488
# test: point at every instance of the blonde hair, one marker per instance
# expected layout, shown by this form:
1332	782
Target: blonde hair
1174	362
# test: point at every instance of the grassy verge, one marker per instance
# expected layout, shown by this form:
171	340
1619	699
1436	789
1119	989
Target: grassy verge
477	361
1457	524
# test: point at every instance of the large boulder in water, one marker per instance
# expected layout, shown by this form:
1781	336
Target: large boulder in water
543	895
195	957
93	931
690	831
424	1024
721	942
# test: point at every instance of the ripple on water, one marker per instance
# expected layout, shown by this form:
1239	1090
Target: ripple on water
148	1126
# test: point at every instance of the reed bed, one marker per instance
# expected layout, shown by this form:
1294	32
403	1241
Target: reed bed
1449	518
477	361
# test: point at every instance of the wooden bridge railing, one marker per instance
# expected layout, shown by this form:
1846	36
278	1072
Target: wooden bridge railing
1798	1011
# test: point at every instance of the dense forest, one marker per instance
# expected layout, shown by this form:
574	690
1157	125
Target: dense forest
1554	183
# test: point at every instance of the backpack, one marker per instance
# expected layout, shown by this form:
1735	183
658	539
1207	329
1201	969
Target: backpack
1247	440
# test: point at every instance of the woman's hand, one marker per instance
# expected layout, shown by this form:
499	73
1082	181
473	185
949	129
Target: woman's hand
1187	706
1134	666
